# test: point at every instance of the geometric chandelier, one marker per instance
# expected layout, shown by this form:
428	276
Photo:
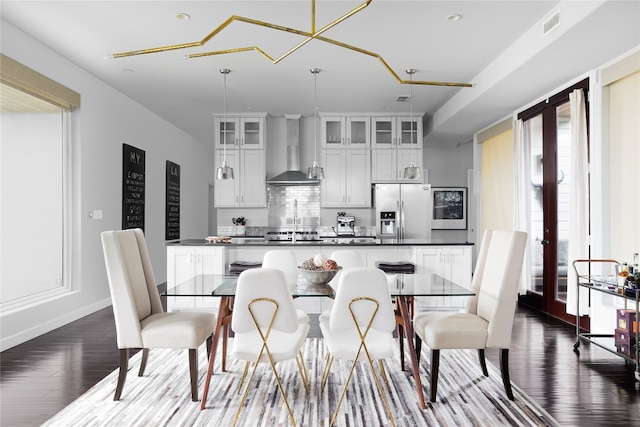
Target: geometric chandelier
309	35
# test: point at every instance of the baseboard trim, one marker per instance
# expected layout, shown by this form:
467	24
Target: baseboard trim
48	326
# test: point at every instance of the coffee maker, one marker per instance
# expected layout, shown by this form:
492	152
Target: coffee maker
345	225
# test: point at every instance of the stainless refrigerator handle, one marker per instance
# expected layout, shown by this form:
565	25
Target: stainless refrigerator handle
402	219
399	220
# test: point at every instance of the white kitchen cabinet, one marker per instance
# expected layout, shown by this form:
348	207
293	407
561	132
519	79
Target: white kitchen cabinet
241	131
244	151
396	132
454	263
186	262
393	147
339	131
347	178
387	164
248	189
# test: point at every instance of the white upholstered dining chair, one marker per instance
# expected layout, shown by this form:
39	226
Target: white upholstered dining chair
140	319
345	258
266	327
285	261
360	327
488	318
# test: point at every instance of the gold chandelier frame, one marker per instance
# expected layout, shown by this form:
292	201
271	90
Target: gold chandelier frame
317	35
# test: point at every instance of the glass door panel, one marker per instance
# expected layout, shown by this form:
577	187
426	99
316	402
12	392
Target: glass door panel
563	191
383	130
549	137
358	132
333	128
548	142
252	132
227	133
409	132
534	129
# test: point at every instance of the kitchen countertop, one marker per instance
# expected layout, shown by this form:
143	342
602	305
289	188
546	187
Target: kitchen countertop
332	241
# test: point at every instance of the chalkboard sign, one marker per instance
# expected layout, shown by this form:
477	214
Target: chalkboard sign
133	180
172	210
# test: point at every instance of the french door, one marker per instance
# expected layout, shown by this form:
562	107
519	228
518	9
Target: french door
547	128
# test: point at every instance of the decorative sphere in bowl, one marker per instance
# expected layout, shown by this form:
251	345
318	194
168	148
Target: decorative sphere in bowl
318	277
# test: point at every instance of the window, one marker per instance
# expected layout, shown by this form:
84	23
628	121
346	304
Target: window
34	189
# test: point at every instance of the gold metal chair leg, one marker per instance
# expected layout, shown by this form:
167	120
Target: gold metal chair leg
284	397
275	372
344	391
246	392
263	349
303	374
383	373
306	371
380	390
325	373
363	345
244	375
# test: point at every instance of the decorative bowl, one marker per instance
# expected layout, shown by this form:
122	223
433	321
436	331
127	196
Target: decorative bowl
318	277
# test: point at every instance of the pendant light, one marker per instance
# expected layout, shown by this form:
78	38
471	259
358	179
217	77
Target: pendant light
224	171
412	171
315	171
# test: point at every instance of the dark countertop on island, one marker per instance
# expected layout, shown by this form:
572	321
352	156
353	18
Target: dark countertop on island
352	241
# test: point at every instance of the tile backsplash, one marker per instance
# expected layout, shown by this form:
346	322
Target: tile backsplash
281	200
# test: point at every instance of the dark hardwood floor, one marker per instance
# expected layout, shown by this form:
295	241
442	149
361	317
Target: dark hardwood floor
42	376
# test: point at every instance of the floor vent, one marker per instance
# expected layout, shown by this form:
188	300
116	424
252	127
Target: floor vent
551	23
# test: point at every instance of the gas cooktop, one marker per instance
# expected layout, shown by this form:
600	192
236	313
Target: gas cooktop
287	235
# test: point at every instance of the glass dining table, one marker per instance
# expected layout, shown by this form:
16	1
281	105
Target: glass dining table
403	288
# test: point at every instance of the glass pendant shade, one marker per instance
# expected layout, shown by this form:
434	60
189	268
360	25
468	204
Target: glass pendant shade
315	171
224	171
412	171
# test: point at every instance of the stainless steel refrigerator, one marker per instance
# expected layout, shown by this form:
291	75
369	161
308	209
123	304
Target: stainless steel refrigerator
403	211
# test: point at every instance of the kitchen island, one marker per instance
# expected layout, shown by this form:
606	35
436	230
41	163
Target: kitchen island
329	241
449	259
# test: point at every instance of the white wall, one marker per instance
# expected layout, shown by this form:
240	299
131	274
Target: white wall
105	121
447	166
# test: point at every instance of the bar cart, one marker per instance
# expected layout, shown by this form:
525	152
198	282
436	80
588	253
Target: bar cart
606	284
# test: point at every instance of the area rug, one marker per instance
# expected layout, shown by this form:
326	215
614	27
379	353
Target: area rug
162	396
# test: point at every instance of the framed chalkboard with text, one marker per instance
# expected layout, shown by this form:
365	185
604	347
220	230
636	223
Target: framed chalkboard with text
172	209
133	183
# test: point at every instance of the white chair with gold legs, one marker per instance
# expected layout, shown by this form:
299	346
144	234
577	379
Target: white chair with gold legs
266	327
285	261
137	308
360	327
488	318
345	258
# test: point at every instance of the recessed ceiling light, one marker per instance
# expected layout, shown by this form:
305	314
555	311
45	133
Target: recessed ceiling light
454	17
183	16
386	107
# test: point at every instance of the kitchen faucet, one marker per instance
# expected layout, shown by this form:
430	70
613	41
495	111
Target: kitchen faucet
295	220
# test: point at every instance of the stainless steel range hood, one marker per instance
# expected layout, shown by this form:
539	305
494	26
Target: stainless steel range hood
293	175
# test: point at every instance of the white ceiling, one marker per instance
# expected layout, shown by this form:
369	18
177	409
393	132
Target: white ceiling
496	45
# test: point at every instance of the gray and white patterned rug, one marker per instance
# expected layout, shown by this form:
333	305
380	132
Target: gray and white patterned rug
162	397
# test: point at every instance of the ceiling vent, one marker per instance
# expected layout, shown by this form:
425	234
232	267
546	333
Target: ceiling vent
403	98
551	23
